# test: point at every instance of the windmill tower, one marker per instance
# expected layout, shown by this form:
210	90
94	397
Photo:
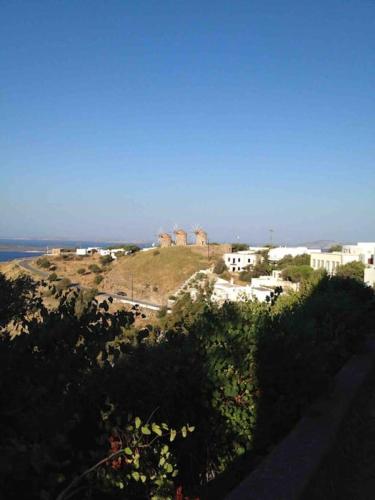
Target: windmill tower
165	240
200	237
181	237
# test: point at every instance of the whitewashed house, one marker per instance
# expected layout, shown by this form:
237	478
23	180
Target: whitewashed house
238	261
278	253
362	252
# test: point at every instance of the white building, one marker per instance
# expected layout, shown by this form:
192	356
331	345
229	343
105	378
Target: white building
272	281
362	252
238	261
276	254
226	291
81	251
369	278
259	289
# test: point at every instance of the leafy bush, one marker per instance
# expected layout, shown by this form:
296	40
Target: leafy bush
43	262
298	260
81	270
296	274
335	248
241	374
52	277
220	267
94	268
98	279
238	247
105	259
353	270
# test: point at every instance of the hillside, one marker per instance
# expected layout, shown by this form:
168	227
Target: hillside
157	273
153	275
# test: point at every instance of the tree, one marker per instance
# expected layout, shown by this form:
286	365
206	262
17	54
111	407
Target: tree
238	247
105	259
298	260
220	266
353	270
296	274
335	248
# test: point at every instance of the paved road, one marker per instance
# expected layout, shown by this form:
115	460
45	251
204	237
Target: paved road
26	264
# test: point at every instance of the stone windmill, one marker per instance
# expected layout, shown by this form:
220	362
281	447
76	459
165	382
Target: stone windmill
201	238
181	237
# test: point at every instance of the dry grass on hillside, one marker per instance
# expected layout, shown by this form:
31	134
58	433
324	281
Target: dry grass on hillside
157	273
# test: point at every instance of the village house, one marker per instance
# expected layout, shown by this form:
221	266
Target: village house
361	252
239	261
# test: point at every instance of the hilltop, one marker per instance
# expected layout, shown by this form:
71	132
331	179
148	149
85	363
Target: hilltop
158	273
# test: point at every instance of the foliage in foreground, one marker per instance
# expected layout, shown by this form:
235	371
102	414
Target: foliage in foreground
80	384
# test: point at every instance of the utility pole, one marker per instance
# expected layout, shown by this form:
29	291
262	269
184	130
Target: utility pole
271	236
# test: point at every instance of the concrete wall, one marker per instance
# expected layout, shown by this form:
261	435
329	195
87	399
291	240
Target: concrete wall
370	276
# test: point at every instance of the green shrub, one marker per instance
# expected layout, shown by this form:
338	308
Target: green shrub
105	259
298	260
94	268
296	274
220	266
353	270
52	277
43	262
98	279
81	270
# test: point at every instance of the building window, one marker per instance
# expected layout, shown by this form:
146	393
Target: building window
233	269
238	259
239	269
248	260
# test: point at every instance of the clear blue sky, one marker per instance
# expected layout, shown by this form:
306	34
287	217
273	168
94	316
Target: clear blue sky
121	117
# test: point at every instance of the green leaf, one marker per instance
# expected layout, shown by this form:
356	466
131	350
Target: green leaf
191	428
137	422
184	431
165	449
135	475
128	451
145	430
173	435
143	478
168	467
162	461
156	429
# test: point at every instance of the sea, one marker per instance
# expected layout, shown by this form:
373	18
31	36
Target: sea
20	249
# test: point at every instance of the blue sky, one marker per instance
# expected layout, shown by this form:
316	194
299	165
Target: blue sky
118	118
